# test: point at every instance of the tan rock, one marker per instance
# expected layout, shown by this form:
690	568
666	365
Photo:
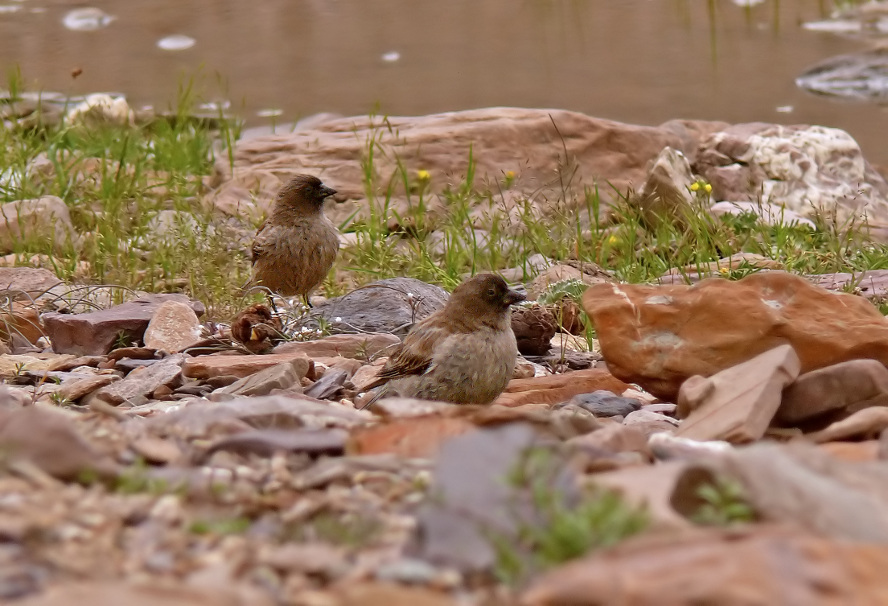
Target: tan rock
204	367
828	394
553	389
866	423
280	376
11	364
74	390
388	594
757	565
366	374
658	336
587	273
721	268
501	139
650	423
173	327
30	221
48	441
362	346
117	593
737	404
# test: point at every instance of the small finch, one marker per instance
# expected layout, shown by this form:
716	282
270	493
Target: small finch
464	353
295	248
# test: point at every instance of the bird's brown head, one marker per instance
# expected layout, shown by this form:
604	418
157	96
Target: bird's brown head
305	191
486	297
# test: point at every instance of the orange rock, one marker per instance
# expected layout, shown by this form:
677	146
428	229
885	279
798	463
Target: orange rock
410	437
658	336
553	389
855	452
204	367
756	565
22	320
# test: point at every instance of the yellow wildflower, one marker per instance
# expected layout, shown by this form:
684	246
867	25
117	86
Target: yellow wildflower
708	188
510	174
723	270
423	175
613	240
695	186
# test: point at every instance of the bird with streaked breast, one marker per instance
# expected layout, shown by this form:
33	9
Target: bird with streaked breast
464	353
296	246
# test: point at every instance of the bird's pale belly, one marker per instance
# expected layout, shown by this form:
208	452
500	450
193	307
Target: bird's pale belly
471	375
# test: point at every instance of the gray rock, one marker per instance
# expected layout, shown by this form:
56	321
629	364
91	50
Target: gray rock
859	76
390	305
265	442
328	385
267	412
142	381
279	376
473	501
603	403
95	333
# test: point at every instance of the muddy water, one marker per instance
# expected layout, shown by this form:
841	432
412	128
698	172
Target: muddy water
642	61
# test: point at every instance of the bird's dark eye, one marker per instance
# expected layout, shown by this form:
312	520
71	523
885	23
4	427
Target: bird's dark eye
491	292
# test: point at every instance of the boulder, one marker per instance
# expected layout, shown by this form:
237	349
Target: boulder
28	281
501	140
659	336
387	306
810	170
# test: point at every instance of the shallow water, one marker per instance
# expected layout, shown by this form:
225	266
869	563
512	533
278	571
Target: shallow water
640	61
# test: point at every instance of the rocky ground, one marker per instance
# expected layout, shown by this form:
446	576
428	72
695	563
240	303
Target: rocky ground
187	469
715	435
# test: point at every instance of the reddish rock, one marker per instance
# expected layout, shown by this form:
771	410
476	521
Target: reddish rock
97	332
409	437
554	389
831	393
737	404
27	282
173	327
168	593
204	367
757	565
659	336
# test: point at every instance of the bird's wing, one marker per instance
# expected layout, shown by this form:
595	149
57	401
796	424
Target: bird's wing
258	248
414	355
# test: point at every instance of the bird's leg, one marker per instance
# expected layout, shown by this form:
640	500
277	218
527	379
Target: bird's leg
307	302
273	306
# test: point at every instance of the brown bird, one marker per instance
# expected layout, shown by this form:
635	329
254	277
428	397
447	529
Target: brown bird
256	328
464	353
295	248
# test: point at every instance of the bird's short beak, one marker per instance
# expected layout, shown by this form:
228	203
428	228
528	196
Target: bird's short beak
513	297
327	191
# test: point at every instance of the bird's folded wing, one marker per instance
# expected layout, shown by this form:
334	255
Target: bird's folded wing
414	356
260	241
